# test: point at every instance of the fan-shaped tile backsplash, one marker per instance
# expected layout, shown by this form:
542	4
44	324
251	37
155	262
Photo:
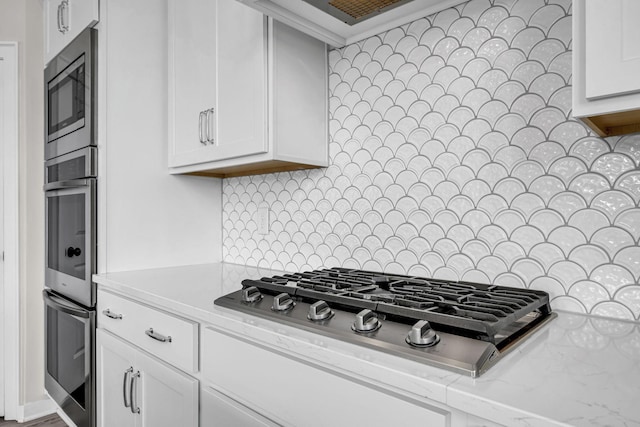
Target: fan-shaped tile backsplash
454	155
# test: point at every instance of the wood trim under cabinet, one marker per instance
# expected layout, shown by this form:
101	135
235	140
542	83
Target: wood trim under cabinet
268	166
613	124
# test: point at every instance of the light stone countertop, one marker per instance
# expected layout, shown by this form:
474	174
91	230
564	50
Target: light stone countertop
577	370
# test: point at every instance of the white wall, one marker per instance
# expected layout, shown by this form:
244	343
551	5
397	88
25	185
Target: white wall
147	218
21	21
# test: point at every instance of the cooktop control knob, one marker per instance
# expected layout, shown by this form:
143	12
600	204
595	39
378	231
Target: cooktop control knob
422	335
282	302
251	294
366	322
319	311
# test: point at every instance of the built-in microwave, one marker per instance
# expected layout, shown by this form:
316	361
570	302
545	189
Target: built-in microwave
70	96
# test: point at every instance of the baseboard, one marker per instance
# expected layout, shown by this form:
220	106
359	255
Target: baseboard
59	411
37	409
65	418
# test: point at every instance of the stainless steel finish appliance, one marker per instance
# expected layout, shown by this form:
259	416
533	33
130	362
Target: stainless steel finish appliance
70	97
70	206
70	358
461	326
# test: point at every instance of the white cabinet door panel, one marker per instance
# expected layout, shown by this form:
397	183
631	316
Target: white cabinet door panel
217	72
114	359
282	391
64	20
612	47
192	76
168	398
242	80
217	410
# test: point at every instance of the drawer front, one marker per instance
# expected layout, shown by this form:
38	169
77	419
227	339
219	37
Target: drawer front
280	388
166	336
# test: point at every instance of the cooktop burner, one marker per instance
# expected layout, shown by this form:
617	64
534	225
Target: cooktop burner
462	326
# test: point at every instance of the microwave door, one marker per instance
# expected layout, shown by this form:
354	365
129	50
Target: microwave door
66	96
70	238
70	97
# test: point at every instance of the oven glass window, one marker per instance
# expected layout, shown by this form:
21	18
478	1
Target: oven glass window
66	346
66	99
66	238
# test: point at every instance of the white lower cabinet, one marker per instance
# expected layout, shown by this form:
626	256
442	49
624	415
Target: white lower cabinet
218	410
136	389
294	393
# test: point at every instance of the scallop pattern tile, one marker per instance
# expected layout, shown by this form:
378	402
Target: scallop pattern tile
453	154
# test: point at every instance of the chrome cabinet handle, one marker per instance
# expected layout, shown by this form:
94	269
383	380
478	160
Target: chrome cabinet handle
156	336
65	6
133	392
210	126
111	314
124	387
200	130
206	127
60	18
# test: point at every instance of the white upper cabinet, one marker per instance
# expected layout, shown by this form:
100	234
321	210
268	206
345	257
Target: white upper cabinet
606	65
245	95
613	50
64	20
218	81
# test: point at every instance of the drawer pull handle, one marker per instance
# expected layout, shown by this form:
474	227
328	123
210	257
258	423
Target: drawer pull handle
111	314
124	387
156	336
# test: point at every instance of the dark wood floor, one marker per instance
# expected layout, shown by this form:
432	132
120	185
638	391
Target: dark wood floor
52	420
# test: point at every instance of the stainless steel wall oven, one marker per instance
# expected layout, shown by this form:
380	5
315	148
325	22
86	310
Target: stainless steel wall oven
70	212
70	359
70	95
70	294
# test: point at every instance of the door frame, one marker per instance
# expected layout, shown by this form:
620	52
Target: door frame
10	282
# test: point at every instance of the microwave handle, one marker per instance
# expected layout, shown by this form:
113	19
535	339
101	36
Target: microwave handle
58	185
63	306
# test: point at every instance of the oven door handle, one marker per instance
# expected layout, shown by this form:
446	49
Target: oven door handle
74	183
65	307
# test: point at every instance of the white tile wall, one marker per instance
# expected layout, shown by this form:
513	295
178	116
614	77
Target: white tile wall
454	155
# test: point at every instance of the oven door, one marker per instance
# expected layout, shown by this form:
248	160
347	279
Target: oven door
69	95
69	354
71	238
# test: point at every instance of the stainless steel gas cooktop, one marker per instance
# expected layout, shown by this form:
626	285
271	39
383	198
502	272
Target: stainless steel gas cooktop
461	326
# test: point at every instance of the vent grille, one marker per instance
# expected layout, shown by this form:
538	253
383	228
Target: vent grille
361	8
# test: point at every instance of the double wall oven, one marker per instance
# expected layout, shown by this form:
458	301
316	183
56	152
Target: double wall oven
70	191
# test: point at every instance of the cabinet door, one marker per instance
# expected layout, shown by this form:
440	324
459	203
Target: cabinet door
166	397
230	364
242	81
218	410
217	61
612	47
192	76
114	359
64	20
